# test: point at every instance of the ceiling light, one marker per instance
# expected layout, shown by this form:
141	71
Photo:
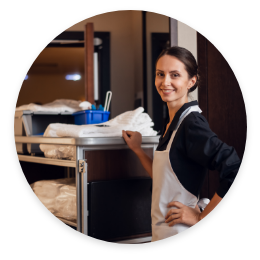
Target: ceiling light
73	77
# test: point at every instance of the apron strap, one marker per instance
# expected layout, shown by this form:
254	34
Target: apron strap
183	115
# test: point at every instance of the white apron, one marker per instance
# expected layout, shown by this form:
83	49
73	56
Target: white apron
167	188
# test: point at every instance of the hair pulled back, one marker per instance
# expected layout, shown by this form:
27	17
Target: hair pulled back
187	59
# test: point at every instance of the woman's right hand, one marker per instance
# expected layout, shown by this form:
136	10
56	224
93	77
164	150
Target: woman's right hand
133	140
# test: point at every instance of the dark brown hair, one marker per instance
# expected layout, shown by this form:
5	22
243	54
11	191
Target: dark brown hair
187	59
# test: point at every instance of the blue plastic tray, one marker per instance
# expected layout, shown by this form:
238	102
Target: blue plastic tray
86	117
40	134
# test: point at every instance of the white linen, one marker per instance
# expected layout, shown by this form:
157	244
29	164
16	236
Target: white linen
58	196
131	120
134	120
59	151
58	105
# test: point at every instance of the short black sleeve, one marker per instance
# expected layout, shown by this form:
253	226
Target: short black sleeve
203	146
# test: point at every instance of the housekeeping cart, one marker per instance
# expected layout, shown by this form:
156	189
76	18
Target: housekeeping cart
104	166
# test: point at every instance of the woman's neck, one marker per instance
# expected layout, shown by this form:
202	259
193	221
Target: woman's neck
174	106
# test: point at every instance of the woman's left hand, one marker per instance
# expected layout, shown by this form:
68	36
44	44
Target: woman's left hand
182	214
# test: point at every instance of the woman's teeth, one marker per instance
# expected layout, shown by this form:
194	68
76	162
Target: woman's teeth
167	90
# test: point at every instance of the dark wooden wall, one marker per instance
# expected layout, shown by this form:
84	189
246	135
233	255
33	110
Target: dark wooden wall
222	103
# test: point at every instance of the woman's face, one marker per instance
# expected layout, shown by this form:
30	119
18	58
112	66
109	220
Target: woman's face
172	80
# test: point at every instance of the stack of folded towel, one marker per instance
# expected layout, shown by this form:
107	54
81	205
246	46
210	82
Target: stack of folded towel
134	120
58	105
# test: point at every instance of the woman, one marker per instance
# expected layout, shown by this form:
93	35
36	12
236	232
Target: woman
186	149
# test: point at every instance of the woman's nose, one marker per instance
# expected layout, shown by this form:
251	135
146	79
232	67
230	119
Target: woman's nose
167	80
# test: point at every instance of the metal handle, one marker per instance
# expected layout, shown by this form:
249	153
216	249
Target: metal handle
108	100
84	195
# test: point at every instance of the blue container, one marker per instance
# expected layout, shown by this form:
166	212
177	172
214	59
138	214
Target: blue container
86	117
40	134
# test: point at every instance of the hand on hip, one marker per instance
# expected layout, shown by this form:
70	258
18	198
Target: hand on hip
182	214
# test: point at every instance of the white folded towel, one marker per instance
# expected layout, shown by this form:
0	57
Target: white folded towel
132	120
58	105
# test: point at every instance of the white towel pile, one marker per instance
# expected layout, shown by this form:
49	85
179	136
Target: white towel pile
58	196
134	120
58	105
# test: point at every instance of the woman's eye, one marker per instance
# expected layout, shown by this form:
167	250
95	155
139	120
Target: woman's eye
159	74
175	75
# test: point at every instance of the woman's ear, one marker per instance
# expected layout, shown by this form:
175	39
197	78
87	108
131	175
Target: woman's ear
193	81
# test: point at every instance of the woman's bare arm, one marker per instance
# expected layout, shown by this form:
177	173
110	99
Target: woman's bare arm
134	141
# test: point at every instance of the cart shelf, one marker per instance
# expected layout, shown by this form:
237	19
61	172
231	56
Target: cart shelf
44	160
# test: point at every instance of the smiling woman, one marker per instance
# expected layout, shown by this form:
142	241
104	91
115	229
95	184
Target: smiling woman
187	148
172	80
176	76
184	62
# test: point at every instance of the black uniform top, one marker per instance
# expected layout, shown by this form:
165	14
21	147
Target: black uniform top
195	148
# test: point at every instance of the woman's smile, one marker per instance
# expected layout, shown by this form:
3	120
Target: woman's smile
167	91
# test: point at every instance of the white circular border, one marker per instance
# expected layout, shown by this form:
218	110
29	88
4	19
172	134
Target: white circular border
25	25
